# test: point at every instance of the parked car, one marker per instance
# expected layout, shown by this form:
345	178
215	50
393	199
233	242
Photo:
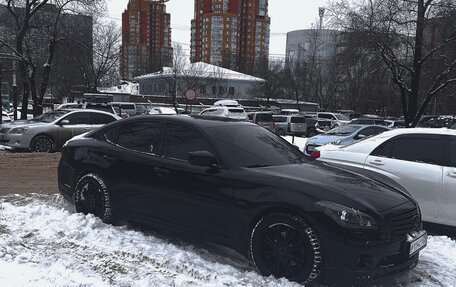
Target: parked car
438	122
238	185
370	120
5	117
237	113
162	111
263	119
422	160
124	107
294	125
342	136
352	115
288	112
337	119
70	106
100	107
48	132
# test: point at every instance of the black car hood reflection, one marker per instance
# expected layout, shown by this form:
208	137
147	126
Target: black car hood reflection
371	193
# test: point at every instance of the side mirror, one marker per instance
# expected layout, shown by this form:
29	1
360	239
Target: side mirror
64	122
202	158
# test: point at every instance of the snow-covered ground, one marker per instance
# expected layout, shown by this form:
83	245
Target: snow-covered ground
44	243
297	141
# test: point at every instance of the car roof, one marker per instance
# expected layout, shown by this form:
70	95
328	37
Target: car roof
370	143
194	120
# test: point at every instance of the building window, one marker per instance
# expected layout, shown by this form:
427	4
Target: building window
231	91
202	89
221	90
214	90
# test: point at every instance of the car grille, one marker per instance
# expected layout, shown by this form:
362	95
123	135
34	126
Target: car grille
405	222
4	130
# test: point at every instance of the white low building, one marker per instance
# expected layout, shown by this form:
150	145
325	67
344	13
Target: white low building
208	81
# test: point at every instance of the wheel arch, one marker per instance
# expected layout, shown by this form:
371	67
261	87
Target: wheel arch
43	134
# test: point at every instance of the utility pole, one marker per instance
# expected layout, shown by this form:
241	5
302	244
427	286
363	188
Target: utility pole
321	12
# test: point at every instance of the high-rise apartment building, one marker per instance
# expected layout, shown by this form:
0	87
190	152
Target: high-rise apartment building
146	38
231	33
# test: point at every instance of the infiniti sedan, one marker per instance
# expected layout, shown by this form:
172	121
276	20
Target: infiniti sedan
343	135
423	160
48	132
239	185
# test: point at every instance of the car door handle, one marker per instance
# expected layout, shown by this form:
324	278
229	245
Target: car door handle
108	158
161	172
452	173
377	162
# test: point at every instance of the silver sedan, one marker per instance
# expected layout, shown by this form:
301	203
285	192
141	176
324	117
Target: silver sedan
50	131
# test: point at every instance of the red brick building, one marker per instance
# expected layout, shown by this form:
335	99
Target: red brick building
231	33
146	38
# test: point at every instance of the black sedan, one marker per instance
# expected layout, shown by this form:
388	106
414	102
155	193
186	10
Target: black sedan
241	186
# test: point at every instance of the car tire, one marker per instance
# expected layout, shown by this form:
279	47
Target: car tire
91	195
281	132
310	133
42	144
283	245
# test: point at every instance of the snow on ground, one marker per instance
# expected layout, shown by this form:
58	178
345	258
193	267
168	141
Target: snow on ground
297	141
2	147
44	243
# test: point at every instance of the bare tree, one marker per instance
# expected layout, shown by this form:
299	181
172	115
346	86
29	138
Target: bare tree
408	35
30	16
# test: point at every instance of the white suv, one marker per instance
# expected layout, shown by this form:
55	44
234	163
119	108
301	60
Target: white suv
337	119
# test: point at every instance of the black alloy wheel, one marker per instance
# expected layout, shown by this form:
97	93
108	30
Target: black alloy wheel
282	245
42	144
91	196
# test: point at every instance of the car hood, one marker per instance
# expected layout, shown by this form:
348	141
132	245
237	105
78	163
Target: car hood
368	192
324	139
23	123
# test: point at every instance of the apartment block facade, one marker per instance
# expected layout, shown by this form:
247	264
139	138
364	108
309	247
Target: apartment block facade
231	33
146	38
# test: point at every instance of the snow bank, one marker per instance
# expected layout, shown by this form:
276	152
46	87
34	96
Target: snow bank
43	243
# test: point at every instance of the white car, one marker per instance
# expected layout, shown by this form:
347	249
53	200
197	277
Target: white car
237	113
337	119
423	160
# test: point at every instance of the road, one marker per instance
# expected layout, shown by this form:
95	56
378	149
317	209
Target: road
23	173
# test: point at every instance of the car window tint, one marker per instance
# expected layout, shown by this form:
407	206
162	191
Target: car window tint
252	146
325	116
78	119
383	150
280	119
368	131
101	119
298	120
180	140
138	136
418	149
264	117
453	151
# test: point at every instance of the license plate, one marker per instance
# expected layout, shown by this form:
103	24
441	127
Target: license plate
417	244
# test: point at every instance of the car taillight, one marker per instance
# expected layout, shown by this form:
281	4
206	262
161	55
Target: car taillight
316	154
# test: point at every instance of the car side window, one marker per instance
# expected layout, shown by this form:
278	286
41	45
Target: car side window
141	136
425	149
453	151
101	119
180	140
367	132
78	119
383	150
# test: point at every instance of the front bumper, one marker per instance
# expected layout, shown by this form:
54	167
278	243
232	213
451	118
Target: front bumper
356	262
20	141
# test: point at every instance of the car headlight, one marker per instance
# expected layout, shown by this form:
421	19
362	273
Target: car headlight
346	216
19	131
336	142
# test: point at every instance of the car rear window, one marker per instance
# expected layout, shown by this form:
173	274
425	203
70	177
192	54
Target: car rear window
264	117
236	111
280	119
299	120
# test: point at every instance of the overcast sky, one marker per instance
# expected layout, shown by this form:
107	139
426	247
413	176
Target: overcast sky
286	16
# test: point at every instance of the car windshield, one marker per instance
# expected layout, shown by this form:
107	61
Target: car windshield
343	130
341	117
50	117
252	146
